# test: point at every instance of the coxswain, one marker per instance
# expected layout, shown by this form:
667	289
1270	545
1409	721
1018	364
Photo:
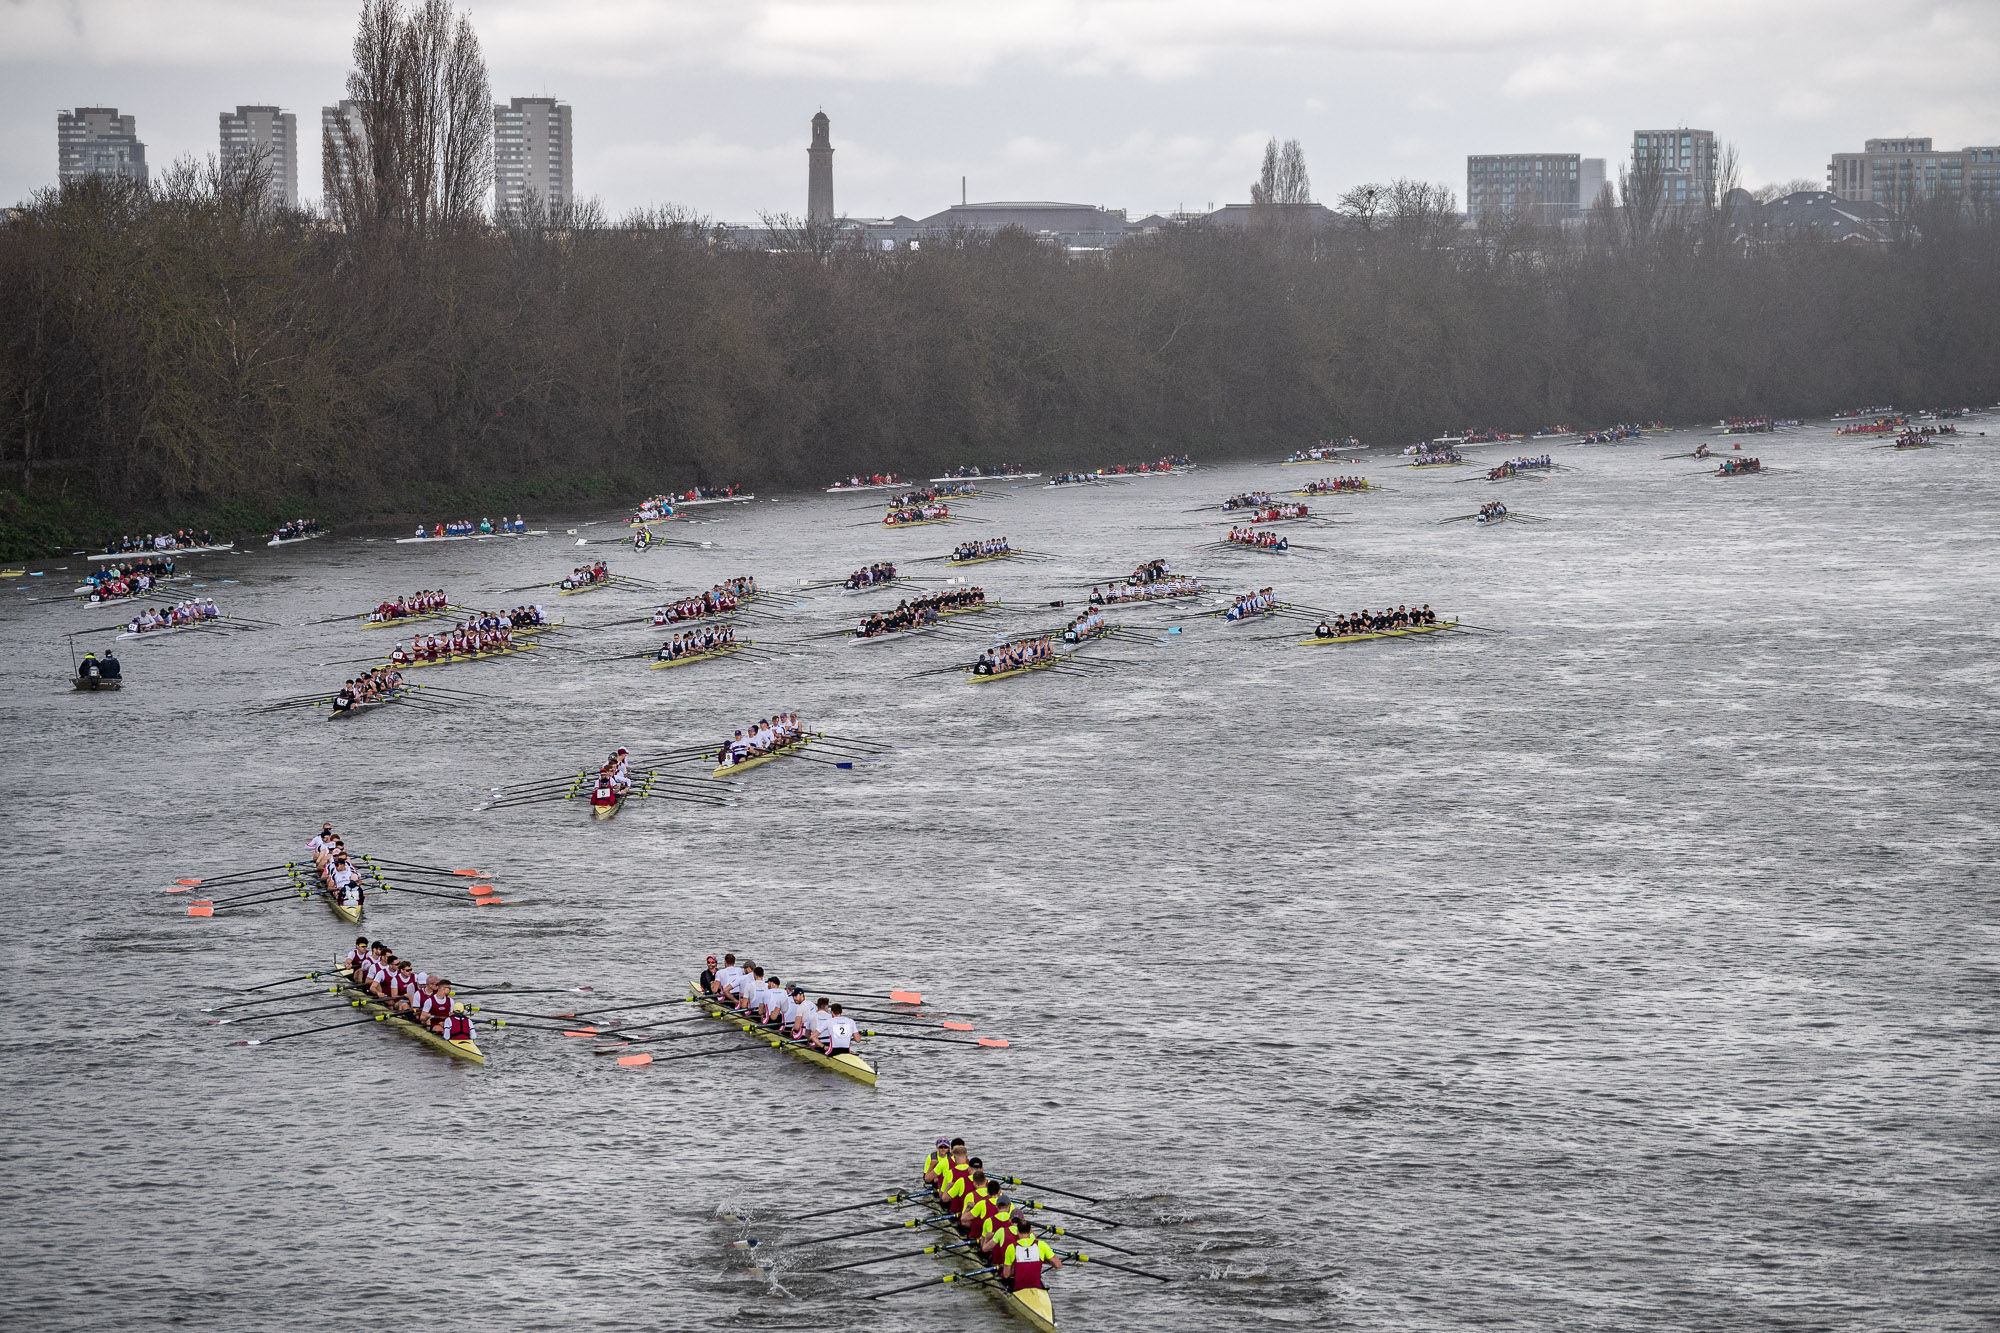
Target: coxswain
935	1159
950	1168
356	956
1023	1265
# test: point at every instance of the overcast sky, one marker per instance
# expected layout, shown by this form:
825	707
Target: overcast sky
1141	104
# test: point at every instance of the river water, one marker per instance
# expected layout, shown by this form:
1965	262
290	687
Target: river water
1631	963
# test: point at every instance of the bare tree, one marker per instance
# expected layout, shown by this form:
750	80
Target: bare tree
413	147
1283	179
1363	204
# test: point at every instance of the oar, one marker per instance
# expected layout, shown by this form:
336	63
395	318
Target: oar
511	990
239	874
251	1004
1069	1194
258	1018
885	1258
430	893
632	1037
936	1281
1065	1231
851	1207
949	1041
310	976
1065	1212
647	1004
876	1230
304	1032
1083	1258
410	865
279	890
199	908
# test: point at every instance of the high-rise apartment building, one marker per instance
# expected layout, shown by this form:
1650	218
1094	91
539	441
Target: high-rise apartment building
1685	161
819	171
1900	171
1528	187
270	137
343	137
531	156
97	141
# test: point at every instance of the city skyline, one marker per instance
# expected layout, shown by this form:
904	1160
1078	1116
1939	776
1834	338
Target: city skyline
1169	118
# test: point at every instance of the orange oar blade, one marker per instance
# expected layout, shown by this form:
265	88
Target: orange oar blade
481	890
640	1059
201	909
187	881
176	890
582	1032
475	874
491	901
906	996
957	1027
991	1041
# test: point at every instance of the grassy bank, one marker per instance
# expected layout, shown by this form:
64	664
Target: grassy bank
50	521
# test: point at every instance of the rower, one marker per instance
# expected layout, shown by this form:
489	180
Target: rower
727	976
1022	1266
457	1025
978	1207
323	838
965	1190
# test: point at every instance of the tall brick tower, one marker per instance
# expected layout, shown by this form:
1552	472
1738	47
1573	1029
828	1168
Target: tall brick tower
819	173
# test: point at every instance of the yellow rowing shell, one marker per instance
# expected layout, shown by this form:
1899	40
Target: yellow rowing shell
464	657
368	1004
1043	665
857	1067
779	753
916	522
351	915
1378	634
588	587
1033	1306
698	657
366	623
980	559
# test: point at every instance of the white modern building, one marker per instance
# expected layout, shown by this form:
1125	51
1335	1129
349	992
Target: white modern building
267	135
532	157
97	141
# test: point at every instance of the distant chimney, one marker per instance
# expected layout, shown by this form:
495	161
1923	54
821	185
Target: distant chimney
819	173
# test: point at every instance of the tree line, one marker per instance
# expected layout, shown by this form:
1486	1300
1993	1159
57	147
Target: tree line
189	349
